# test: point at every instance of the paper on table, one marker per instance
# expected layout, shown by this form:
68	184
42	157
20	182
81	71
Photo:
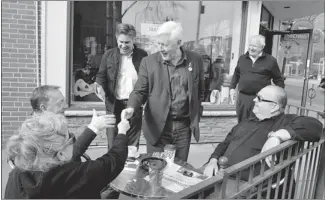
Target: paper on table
176	181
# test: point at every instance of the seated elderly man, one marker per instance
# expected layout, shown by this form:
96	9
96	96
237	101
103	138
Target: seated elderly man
43	152
267	129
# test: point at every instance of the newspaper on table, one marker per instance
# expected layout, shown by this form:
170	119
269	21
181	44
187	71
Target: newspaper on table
174	179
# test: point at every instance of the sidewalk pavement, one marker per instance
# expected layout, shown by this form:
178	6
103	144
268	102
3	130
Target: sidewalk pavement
199	154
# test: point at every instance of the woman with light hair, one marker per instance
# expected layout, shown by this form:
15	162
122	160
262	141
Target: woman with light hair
44	164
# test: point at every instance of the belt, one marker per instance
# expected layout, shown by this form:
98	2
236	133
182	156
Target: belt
178	119
123	101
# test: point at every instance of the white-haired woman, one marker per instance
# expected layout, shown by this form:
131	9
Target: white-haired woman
45	168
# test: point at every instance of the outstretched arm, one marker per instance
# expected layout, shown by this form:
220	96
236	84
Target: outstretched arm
276	75
97	124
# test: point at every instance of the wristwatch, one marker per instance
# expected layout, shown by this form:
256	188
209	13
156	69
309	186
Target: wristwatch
275	136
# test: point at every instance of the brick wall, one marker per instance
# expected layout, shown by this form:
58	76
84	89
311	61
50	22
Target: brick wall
213	129
19	62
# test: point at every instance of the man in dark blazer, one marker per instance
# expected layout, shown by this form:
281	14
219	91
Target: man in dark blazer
171	83
117	76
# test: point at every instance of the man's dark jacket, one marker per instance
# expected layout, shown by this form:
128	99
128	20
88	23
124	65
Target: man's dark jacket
73	180
153	88
108	71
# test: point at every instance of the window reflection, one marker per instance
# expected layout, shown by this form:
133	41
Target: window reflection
211	28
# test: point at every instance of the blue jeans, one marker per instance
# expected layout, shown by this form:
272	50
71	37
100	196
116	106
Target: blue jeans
176	132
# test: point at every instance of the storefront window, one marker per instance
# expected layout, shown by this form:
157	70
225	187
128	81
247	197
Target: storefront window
211	28
89	43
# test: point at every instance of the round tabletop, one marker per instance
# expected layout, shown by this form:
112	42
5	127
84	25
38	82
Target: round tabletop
133	182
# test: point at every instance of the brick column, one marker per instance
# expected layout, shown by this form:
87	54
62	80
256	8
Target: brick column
19	62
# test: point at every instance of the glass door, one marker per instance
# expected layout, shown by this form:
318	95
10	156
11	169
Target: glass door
294	59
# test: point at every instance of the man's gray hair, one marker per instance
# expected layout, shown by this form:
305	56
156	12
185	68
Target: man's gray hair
172	29
40	96
283	100
259	38
280	94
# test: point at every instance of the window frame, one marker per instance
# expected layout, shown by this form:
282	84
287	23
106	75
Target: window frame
271	17
78	105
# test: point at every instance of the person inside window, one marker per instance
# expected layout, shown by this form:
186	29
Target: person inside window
84	88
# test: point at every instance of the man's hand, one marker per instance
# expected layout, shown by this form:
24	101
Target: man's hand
99	92
127	113
123	126
232	94
269	144
211	168
282	134
99	123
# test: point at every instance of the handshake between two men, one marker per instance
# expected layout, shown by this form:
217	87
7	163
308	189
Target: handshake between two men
107	121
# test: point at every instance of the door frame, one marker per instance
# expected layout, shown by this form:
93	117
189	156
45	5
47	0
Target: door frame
308	59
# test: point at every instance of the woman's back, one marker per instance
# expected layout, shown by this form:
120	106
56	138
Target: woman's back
71	180
58	183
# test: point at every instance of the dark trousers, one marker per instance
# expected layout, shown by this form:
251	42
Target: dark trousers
176	132
135	125
244	107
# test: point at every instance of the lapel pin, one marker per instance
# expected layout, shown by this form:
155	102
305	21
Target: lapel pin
189	67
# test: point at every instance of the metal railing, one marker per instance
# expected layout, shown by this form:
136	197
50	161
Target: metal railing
292	109
292	172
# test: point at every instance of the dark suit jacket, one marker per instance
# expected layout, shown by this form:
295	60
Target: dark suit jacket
108	70
153	88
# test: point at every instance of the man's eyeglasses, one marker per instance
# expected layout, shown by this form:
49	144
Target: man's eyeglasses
159	44
259	99
71	140
255	46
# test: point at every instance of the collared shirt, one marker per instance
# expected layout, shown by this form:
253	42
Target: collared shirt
254	59
126	78
179	88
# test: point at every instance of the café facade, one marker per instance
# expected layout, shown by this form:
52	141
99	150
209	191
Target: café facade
62	42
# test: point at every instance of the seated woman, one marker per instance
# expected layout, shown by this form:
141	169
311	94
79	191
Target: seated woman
42	153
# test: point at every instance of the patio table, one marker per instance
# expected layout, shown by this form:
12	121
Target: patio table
135	184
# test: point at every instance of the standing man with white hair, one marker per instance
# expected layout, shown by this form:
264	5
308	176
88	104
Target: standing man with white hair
254	71
171	83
